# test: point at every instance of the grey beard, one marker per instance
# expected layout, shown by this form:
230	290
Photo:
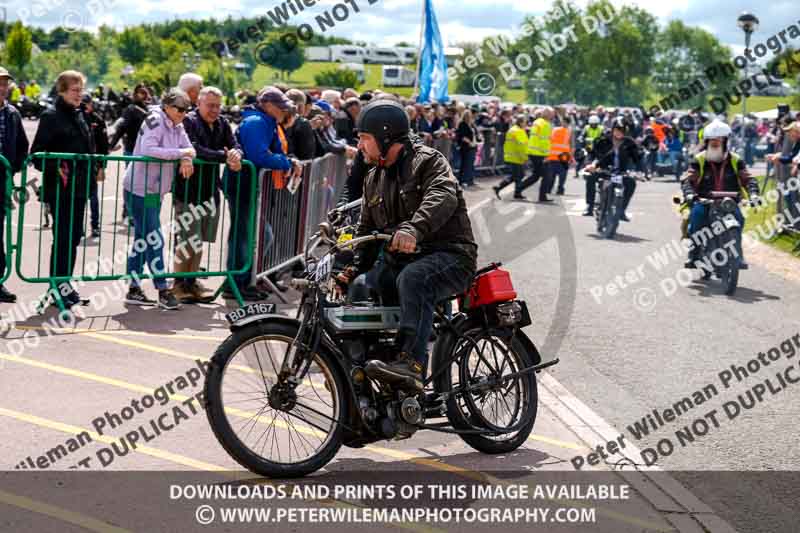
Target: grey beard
715	154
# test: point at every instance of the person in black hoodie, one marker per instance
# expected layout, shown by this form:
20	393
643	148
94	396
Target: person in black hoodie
300	136
14	147
98	128
65	183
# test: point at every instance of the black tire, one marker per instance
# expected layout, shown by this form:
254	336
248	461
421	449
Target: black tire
503	443
220	424
612	216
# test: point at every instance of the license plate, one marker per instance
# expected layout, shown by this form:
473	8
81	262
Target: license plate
248	311
616	179
323	269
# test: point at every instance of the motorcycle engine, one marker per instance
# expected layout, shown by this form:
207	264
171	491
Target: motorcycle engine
403	417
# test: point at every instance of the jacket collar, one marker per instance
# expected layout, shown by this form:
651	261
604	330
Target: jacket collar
62	105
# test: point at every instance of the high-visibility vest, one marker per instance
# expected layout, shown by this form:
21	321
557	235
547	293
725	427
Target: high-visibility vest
701	160
700	135
593	133
539	138
515	147
559	145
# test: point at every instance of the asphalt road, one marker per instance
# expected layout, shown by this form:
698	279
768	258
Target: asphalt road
632	351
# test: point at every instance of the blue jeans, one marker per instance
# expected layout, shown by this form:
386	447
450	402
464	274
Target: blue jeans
466	174
420	285
675	161
237	192
147	230
698	219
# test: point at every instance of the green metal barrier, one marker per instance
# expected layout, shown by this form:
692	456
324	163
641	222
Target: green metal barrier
68	183
6	203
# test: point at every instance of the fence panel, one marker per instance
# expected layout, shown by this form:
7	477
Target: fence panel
194	231
7	199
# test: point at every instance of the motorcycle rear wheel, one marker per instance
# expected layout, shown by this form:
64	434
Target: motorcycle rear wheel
514	403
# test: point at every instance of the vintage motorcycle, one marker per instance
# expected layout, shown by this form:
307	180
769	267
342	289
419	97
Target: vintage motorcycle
284	394
610	200
717	254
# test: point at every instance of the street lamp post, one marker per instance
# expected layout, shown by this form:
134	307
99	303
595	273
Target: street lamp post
748	23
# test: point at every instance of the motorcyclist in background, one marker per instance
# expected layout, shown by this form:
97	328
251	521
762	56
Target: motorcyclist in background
616	153
715	169
590	133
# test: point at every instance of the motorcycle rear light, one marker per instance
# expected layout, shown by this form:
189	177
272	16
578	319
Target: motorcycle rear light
509	313
492	287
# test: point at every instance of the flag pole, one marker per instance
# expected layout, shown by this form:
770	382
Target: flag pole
419	51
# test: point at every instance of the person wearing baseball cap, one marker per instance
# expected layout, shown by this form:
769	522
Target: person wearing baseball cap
14	147
264	144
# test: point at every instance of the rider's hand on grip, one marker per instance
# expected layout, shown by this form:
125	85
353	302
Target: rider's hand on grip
403	242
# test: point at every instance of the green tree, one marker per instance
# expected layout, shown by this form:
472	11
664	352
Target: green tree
18	46
684	55
132	45
472	80
285	54
335	77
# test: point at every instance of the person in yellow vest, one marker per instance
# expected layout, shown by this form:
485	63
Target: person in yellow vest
538	150
560	156
715	169
515	154
16	94
33	90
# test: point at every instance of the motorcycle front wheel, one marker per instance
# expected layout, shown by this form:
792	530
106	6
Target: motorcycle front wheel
493	404
612	214
271	428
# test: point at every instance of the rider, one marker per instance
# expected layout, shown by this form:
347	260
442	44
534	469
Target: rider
715	169
411	192
616	153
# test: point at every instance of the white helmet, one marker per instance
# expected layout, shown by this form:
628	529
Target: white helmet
594	120
716	130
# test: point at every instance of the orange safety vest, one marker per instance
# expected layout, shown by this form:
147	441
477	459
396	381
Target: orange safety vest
559	145
279	176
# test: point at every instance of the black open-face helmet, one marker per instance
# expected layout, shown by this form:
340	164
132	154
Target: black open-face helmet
386	120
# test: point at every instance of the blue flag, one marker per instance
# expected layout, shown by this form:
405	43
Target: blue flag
433	64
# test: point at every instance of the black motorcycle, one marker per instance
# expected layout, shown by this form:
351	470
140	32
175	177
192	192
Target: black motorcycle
284	394
30	108
719	254
610	201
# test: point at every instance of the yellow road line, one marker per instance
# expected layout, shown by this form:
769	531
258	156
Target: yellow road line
161	454
395	454
64	515
559	443
124	332
75	430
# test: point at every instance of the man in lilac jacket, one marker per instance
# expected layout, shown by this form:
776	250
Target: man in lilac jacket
161	136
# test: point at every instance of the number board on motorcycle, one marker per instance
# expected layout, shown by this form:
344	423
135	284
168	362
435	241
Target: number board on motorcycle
323	268
616	179
248	311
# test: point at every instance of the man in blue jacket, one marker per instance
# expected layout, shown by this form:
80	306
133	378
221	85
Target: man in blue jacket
14	147
263	145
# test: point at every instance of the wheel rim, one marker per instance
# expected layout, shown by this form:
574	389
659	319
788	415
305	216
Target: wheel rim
498	407
272	421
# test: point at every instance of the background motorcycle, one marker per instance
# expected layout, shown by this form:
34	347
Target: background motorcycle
283	394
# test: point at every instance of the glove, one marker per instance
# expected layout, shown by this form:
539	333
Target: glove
344	278
690	198
755	200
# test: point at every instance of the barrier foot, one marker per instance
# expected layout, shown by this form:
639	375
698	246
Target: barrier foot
54	293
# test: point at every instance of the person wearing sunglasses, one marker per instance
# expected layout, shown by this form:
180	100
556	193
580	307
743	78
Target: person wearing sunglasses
162	136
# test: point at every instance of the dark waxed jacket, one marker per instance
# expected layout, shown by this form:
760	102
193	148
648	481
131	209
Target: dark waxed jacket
419	195
15	143
63	129
718	177
210	145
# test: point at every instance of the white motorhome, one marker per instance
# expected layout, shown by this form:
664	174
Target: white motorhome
383	56
397	76
318	53
347	53
408	54
358	68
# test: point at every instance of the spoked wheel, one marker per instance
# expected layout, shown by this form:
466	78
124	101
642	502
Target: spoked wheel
505	407
268	427
612	215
